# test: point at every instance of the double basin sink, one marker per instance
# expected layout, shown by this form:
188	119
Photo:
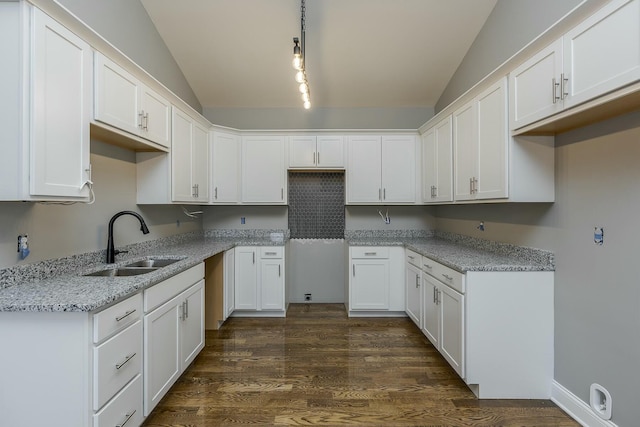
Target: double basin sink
136	268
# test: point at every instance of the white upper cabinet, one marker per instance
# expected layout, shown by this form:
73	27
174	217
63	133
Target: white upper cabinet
46	86
189	159
535	87
225	168
124	102
382	169
599	55
263	170
437	163
325	151
602	53
481	146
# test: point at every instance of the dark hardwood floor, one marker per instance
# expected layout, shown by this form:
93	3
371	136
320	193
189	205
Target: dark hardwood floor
318	367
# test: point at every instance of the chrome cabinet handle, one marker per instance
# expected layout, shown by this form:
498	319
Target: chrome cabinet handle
127	417
186	309
270	253
318	156
146	122
354	270
140	119
554	90
314	157
411	257
126	314
254	257
215	193
281	193
126	360
564	85
417	281
370	253
384	194
447	277
434	295
428	266
379	193
279	270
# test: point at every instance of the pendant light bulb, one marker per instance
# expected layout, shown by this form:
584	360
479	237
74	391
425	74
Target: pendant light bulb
307	105
304	88
300	78
297	54
305	97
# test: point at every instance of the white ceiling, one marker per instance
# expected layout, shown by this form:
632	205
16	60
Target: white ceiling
359	53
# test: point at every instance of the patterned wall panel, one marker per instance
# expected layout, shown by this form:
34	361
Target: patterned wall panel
316	205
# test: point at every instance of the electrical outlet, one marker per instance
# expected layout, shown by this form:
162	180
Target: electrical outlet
307	297
242	220
600	401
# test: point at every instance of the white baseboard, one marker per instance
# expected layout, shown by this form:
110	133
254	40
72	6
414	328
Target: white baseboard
576	408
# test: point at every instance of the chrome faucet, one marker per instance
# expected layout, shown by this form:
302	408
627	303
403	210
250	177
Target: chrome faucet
111	252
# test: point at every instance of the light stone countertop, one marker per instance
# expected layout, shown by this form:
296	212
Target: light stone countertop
59	286
463	258
73	292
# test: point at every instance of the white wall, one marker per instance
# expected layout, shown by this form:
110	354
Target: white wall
58	230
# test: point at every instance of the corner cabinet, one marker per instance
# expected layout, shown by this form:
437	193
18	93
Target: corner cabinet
124	102
382	169
259	281
376	281
46	88
263	170
225	168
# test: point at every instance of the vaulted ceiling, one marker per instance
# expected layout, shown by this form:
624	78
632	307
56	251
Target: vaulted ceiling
359	53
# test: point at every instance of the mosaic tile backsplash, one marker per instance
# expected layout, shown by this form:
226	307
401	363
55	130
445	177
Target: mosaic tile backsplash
316	205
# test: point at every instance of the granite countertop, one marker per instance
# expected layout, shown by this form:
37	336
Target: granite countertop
73	292
60	285
468	254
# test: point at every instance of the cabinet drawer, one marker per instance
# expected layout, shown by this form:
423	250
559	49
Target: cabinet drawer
271	252
164	291
117	317
369	252
125	409
446	275
413	258
115	363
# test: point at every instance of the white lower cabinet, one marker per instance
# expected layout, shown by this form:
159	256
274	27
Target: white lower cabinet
259	281
413	288
173	331
376	280
80	369
495	328
443	322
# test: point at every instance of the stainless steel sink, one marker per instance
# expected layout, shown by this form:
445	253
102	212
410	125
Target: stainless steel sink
123	271
154	262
